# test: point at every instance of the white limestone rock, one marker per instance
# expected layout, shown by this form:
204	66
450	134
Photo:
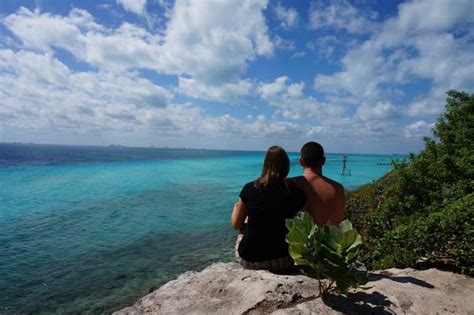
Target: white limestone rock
227	288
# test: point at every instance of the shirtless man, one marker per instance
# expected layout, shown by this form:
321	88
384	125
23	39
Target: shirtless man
325	197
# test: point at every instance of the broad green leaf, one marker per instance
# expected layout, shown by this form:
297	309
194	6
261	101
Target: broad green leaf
345	226
326	252
348	239
357	242
295	236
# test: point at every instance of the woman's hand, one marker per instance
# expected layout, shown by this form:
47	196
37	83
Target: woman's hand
239	214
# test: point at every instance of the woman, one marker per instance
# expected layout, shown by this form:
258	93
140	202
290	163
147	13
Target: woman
265	203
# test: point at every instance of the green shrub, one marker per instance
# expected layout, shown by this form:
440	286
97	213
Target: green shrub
329	252
443	237
423	209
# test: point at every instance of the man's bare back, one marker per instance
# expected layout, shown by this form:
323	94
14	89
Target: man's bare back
325	198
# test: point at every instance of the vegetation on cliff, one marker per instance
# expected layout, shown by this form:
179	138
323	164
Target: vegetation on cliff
424	209
329	251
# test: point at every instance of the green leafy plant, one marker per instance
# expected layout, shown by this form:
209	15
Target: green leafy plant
328	252
421	214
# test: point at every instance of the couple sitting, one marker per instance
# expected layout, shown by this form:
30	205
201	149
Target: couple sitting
265	203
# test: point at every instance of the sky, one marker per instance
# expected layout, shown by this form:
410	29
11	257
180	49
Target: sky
361	76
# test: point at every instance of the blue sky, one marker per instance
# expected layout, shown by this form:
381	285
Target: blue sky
359	76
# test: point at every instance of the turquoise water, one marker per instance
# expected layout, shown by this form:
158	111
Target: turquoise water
77	237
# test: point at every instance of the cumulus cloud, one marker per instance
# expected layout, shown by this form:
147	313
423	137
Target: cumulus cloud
437	15
381	111
340	15
203	50
207	44
259	128
406	49
288	17
272	91
418	129
315	131
292	104
427	105
282	43
213	41
231	92
39	92
134	6
209	41
330	47
45	31
88	41
298	54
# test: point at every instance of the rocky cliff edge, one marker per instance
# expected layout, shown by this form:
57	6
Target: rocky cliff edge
227	288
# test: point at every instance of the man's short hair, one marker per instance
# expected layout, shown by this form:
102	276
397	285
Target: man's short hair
312	154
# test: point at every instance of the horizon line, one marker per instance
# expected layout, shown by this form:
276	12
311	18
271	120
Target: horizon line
177	148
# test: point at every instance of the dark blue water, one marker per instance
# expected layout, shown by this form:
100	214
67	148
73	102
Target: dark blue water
43	154
94	228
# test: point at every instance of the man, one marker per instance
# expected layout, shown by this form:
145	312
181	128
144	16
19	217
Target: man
325	197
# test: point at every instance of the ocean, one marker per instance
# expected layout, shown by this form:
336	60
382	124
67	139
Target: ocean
92	229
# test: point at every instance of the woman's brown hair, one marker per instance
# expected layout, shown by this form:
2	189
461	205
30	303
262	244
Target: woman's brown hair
276	167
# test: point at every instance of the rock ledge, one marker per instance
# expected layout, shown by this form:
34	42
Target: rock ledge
227	288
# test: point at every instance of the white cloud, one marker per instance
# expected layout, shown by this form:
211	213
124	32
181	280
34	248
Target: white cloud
212	41
330	47
279	89
283	43
418	129
134	6
288	17
327	45
39	90
45	31
291	102
231	92
434	15
381	111
429	105
206	46
405	51
315	131
295	89
259	128
298	54
41	94
270	91
86	40
209	41
340	15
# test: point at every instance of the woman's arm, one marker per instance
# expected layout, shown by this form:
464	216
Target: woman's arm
239	214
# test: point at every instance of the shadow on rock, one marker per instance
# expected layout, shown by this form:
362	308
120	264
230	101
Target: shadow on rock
421	283
359	303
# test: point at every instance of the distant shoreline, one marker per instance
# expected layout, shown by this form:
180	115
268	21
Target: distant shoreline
118	146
